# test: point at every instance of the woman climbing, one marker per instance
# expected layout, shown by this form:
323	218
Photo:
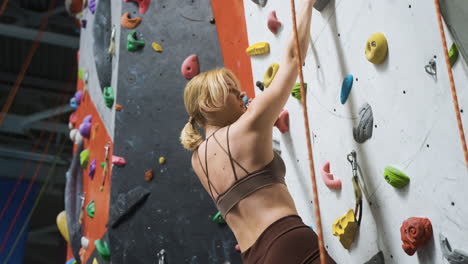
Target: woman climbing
236	163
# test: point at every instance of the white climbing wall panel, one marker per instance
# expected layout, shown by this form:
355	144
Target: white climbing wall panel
416	129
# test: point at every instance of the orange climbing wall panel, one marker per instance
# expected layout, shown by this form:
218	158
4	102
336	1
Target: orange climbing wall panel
95	228
232	35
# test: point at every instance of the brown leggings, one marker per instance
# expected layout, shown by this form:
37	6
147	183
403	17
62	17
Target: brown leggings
288	240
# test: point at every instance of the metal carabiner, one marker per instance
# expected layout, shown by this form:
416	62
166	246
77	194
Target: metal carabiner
352	158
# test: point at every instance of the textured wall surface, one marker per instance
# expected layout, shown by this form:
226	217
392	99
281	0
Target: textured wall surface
415	126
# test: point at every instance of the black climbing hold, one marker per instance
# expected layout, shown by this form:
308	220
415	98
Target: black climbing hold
363	131
212	21
454	256
376	259
126	203
260	85
261	3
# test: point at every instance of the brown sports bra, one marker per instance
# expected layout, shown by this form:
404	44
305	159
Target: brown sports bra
272	173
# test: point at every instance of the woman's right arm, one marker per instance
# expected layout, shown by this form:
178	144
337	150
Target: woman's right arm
264	110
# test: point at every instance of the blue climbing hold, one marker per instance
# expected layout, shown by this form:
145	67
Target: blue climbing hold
346	87
73	103
246	100
71	261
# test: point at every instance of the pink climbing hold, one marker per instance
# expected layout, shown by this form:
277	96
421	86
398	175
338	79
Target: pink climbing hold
119	161
73	119
273	23
237	247
142	5
283	121
190	67
328	178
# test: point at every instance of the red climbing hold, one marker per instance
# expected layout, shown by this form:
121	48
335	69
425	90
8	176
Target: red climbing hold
142	5
415	232
119	161
273	23
283	121
328	178
237	247
73	119
190	67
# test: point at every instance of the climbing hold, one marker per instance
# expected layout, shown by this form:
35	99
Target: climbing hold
260	85
453	54
296	91
415	232
126	203
90	208
376	48
128	22
133	44
84	242
162	160
92	169
71	261
118	107
376	259
246	100
149	175
84	158
395	177
258	49
78	138
103	249
92	6
85	127
78	96
84	22
95	261
157	47
345	228
161	256
270	74
142	5
109	96
119	161
62	225
73	118
103	164
212	21
82	253
320	4
261	3
453	256
73	103
73	133
328	178
237	247
346	88
273	23
218	218
190	67
282	123
363	131
80	73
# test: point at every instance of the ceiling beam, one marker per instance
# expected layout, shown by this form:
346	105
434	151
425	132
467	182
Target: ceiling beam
32	82
47	37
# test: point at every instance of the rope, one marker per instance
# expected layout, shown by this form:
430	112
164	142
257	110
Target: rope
25	66
36	202
309	144
452	83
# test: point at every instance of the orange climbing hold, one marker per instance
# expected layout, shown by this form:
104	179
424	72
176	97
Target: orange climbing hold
118	107
128	22
149	175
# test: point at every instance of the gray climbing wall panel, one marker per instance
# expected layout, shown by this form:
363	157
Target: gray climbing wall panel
177	215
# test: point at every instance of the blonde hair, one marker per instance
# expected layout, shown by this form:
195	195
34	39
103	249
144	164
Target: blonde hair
206	90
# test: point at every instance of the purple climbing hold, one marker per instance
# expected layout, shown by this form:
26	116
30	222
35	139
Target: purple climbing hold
92	169
78	97
85	127
92	6
84	22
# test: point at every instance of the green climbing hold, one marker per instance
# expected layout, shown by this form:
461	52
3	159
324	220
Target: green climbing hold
109	96
296	91
84	158
103	164
453	54
218	218
395	177
103	249
133	44
81	73
90	209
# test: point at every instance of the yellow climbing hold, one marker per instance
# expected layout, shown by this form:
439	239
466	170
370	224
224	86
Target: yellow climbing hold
162	160
157	47
258	49
270	74
95	261
345	228
62	225
376	48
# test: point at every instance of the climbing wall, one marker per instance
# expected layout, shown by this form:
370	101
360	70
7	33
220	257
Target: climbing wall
414	126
